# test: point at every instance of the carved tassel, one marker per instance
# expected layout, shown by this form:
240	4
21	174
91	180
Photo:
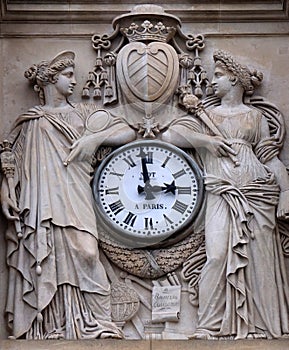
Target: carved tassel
98	62
85	92
97	93
198	92
39	317
108	91
209	90
38	269
104	75
197	61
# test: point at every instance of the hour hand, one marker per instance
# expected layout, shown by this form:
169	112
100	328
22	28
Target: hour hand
152	189
170	188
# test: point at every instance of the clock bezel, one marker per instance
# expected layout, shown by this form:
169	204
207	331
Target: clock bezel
130	239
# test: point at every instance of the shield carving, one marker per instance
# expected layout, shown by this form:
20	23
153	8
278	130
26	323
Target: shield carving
148	74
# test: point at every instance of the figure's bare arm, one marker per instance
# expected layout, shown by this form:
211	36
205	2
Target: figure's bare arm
184	137
86	146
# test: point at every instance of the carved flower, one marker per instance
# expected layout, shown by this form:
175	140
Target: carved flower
133	26
110	59
147	25
130	30
160	26
186	61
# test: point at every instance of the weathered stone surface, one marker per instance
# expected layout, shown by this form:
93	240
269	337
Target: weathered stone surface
74	345
262	45
144	345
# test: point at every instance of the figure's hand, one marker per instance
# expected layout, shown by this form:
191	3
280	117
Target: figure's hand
219	147
9	206
83	149
283	205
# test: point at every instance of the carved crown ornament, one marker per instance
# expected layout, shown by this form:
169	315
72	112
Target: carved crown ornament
148	32
146	54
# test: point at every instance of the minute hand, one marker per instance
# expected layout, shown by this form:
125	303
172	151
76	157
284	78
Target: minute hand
146	178
145	173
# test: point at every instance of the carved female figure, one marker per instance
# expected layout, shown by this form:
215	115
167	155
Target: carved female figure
58	287
243	291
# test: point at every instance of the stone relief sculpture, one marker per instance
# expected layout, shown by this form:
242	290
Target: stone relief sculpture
140	71
224	275
58	287
242	289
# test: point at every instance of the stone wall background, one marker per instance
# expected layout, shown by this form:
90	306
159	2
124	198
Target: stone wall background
255	31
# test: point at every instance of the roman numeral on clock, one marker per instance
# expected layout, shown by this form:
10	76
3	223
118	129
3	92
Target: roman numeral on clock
167	220
180	207
149	157
130	219
184	190
129	161
179	173
119	175
116	207
113	190
148	222
165	162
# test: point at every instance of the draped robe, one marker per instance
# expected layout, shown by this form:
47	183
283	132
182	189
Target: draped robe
57	283
243	288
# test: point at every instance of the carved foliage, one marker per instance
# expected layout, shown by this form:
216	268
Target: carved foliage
150	263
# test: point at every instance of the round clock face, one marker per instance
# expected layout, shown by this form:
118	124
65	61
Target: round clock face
147	191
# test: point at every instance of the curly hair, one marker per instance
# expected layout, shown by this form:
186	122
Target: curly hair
248	79
44	73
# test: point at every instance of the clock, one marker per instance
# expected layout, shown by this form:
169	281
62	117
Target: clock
146	192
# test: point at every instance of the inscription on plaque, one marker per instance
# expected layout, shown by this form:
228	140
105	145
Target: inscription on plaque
166	304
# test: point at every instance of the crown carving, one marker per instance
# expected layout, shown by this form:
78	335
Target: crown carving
148	31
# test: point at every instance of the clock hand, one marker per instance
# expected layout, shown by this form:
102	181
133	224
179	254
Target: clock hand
145	173
170	187
141	189
167	188
147	187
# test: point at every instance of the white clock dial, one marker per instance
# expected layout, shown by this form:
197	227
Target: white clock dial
147	191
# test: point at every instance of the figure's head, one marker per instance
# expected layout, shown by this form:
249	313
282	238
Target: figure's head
45	72
236	72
